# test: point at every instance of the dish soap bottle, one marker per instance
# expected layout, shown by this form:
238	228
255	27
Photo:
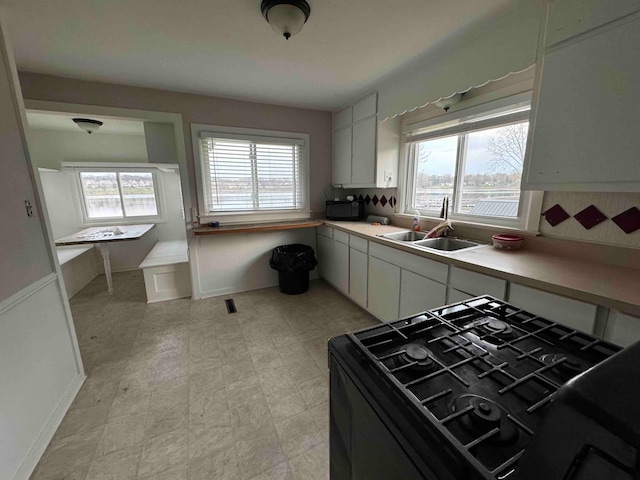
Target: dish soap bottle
416	221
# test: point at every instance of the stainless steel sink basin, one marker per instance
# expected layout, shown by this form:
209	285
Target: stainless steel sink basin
447	244
408	236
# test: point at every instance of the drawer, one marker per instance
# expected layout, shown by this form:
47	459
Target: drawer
365	108
477	283
422	266
565	311
325	231
342	119
340	236
359	243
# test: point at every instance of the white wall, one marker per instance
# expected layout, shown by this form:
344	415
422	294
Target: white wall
40	365
61	205
230	263
38	374
51	147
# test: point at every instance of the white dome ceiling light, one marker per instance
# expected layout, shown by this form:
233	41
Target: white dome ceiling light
286	17
87	124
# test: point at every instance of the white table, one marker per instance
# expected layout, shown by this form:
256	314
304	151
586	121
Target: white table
102	236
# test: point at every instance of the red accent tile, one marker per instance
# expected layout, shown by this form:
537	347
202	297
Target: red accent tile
629	220
383	201
392	202
590	217
555	215
375	200
367	200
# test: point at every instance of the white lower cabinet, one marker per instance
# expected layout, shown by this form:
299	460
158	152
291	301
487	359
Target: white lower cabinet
325	254
565	311
622	329
358	269
418	293
456	296
474	283
341	266
384	289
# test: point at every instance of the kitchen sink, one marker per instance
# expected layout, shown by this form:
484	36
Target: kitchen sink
447	244
408	236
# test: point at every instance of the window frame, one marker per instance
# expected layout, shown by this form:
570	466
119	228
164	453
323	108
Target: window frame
76	170
251	216
462	122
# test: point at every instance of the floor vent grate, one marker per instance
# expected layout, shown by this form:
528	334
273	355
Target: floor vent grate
231	306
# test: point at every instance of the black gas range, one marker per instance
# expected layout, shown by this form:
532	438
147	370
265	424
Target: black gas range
457	392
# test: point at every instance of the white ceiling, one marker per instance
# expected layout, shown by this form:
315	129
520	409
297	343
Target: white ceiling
225	47
64	122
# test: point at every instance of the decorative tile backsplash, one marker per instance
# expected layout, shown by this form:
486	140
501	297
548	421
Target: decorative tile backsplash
607	218
377	201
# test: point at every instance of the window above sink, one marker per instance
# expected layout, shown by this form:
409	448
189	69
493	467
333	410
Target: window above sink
474	157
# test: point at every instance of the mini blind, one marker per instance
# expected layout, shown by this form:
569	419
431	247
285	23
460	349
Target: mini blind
245	173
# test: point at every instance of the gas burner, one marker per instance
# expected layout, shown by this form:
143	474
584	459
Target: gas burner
494	327
568	363
484	416
416	356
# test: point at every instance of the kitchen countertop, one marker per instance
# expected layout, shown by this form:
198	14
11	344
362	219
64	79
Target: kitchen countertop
598	283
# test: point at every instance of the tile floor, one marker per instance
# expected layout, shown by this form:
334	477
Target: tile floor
183	390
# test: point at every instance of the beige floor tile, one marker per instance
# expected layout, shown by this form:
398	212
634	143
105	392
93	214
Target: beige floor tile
257	454
164	452
122	432
282	408
315	391
219	465
298	434
68	457
119	465
215	396
176	473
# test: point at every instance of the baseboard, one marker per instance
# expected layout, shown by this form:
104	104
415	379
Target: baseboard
40	445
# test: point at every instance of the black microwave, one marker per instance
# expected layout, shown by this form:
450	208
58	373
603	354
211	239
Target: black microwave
345	210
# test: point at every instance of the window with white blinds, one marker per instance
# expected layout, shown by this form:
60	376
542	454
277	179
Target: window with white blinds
252	173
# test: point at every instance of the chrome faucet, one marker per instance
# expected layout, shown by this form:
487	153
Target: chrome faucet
444	227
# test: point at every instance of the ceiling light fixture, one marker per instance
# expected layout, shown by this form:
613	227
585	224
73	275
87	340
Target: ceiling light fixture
286	17
87	124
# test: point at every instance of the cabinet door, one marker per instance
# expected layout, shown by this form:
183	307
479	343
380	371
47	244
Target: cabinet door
358	263
341	266
418	293
563	310
325	258
384	289
342	156
622	329
456	296
363	169
585	133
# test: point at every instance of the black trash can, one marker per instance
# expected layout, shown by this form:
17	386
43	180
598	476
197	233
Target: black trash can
293	263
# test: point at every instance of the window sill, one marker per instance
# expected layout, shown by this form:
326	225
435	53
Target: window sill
230	218
257	227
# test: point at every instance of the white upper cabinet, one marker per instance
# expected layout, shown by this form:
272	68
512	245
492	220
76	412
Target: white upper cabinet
584	128
568	18
365	150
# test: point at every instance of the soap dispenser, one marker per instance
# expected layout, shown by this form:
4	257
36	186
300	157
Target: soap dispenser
416	221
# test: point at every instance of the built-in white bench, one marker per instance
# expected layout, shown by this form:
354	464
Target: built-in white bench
78	266
166	271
